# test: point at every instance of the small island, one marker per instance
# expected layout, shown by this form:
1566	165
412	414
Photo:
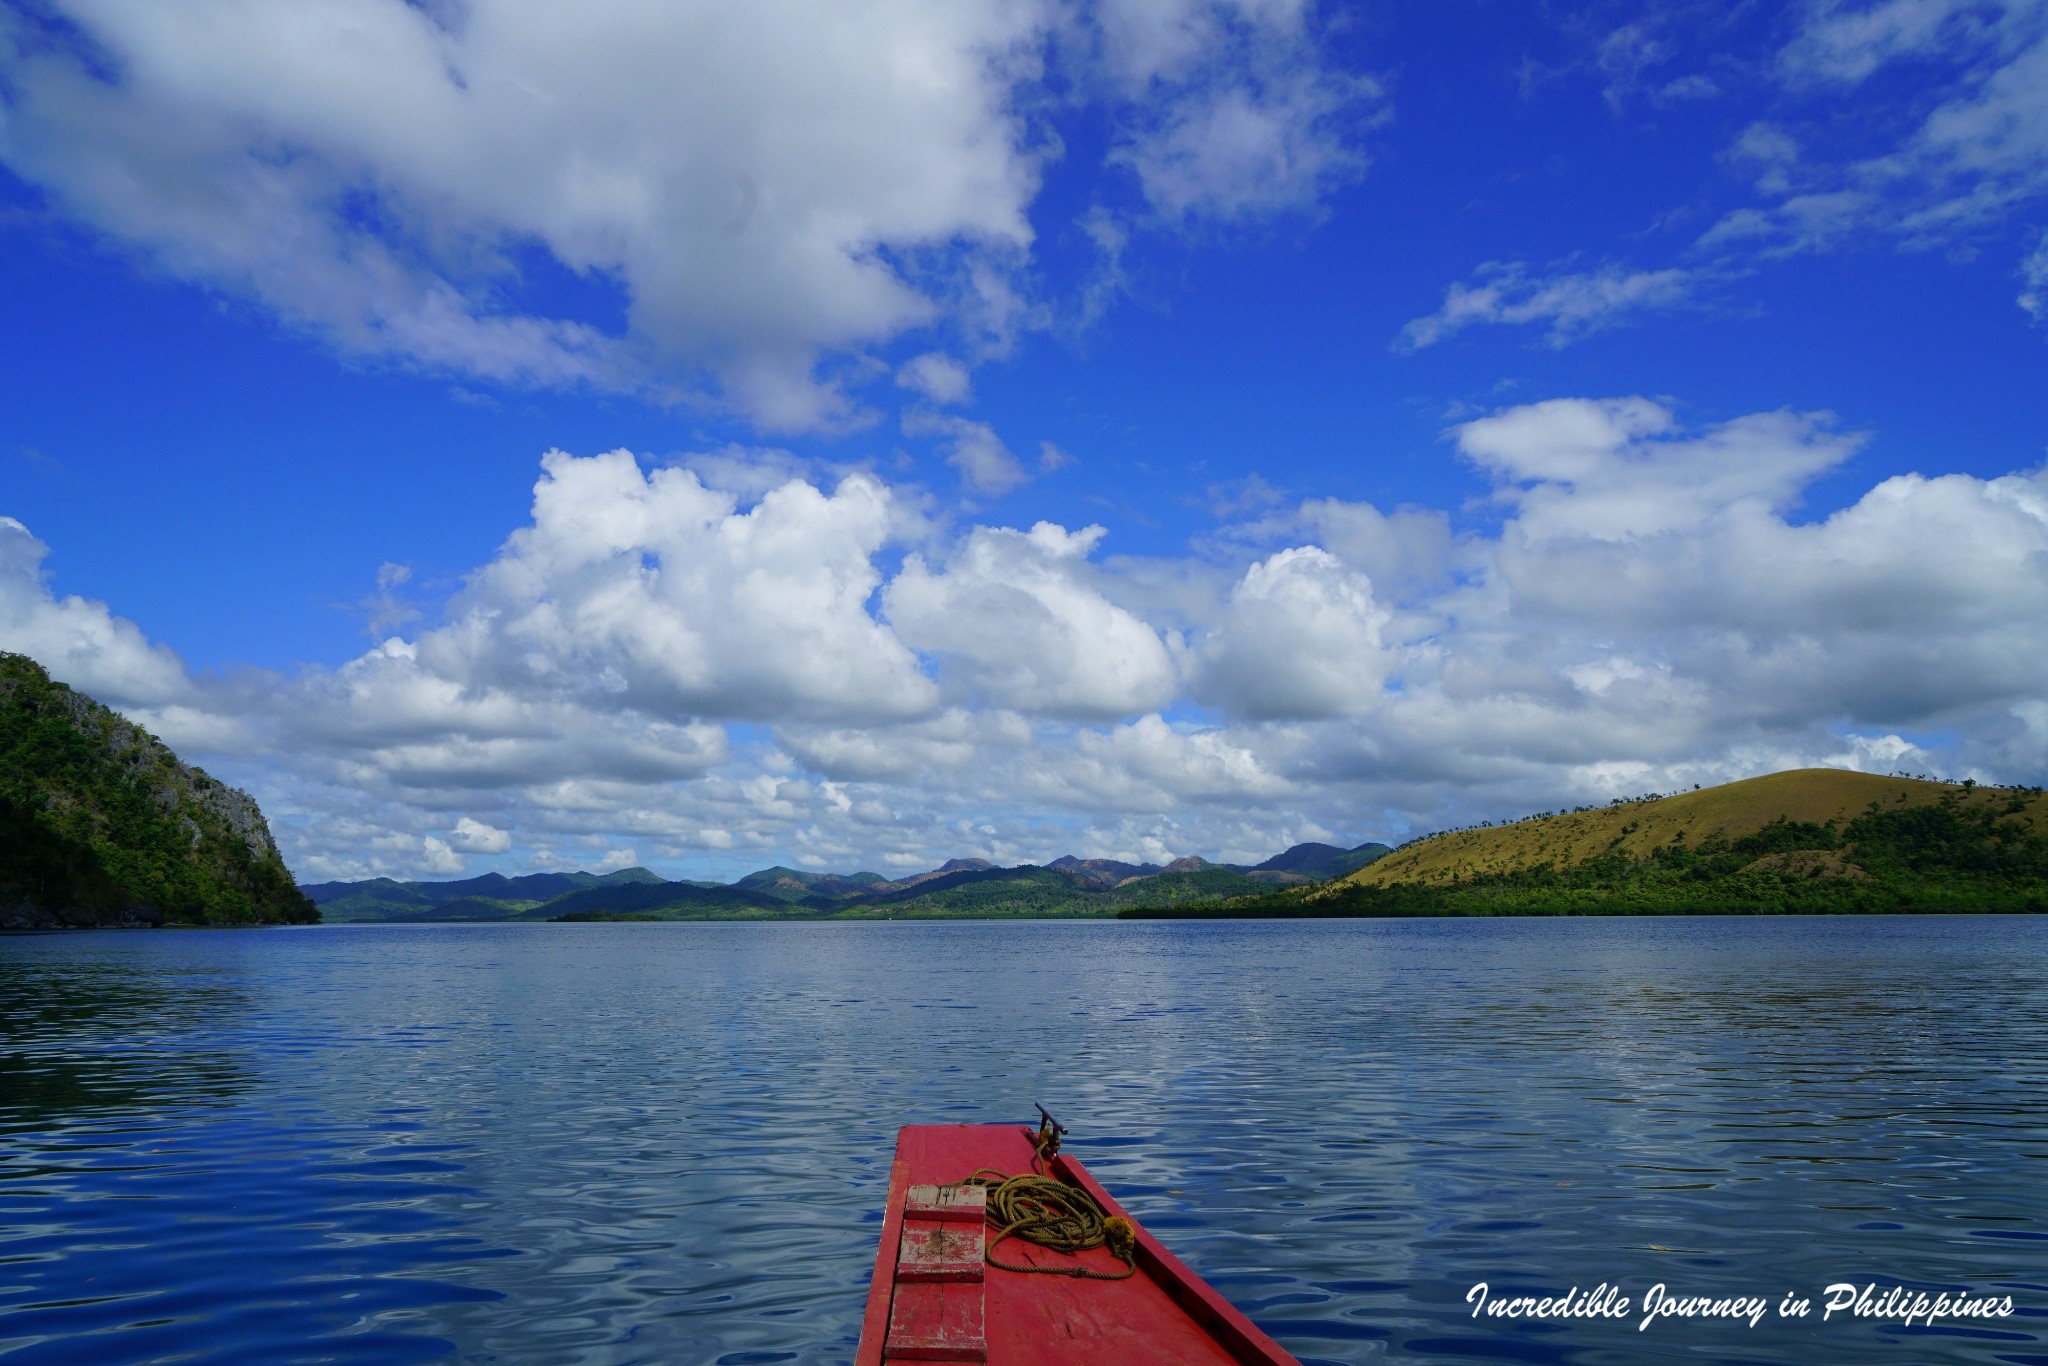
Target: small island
102	826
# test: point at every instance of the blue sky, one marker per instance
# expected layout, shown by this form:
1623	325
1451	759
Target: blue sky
1478	408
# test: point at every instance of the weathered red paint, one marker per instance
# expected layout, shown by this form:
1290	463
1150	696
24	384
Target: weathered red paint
933	1251
1163	1316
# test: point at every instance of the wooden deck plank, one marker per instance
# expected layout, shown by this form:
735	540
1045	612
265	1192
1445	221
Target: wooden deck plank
937	1321
954	1203
933	1251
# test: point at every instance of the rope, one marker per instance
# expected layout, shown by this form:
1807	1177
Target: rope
1041	1209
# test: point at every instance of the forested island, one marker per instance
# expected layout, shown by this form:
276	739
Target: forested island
100	825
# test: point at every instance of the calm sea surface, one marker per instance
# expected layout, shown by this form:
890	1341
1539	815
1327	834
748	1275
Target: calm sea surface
670	1143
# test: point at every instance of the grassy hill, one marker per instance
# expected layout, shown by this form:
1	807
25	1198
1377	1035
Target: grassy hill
1810	841
1634	829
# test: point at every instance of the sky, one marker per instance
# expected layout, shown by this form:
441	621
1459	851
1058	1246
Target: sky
854	435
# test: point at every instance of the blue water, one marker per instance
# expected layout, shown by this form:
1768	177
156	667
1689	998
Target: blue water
670	1143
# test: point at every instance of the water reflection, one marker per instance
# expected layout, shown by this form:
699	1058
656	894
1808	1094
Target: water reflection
93	1037
669	1142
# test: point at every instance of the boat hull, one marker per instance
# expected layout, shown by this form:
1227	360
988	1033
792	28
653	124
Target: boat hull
924	1306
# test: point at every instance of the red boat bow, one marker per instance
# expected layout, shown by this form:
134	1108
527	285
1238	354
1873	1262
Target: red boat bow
934	1298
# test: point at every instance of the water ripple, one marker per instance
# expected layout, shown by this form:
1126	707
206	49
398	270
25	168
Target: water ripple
669	1143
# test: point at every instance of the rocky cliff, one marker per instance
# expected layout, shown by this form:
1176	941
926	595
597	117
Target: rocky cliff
101	825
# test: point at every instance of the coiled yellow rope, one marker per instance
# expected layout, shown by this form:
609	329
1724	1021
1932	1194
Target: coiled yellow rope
1043	1210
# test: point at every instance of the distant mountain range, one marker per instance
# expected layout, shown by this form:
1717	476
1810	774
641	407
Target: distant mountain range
959	887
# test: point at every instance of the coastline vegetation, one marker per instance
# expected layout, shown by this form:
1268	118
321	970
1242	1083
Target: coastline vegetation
1916	846
101	825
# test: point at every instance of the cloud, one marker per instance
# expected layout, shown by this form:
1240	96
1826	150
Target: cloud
1577	469
472	836
79	640
1409	548
1052	459
648	590
987	468
1228	111
612	860
438	859
713	682
1843	44
2034	277
1242	151
384	611
937	377
381	172
391	720
1303	606
1821	221
1770	153
1914	124
1019	619
735	195
1974	153
1679	544
1570	304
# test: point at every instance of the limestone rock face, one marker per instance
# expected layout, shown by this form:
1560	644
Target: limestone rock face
101	825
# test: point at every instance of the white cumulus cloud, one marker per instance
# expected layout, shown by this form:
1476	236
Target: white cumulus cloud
1018	617
740	192
80	641
473	836
1300	637
648	590
656	669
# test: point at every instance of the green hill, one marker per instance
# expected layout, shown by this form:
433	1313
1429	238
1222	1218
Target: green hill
492	896
790	884
465	908
1808	841
1173	887
1321	862
101	825
665	901
980	893
1030	890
